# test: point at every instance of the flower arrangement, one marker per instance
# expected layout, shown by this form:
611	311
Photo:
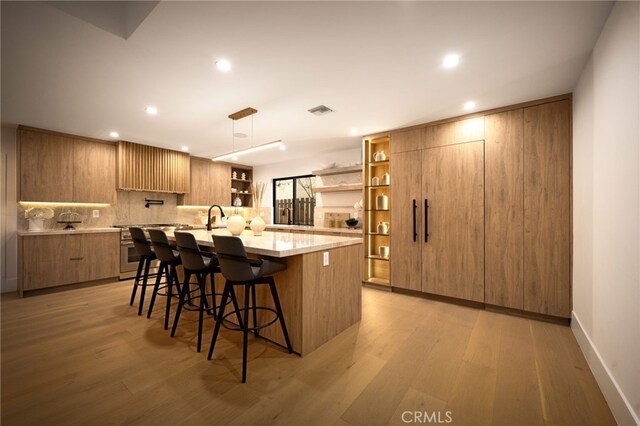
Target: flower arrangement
38	213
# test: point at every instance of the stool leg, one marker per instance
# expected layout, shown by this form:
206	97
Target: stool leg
156	286
234	300
213	295
202	280
135	282
225	294
255	311
171	279
245	334
147	266
183	293
276	301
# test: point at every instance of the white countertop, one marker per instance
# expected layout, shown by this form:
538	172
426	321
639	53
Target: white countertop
278	244
316	228
66	231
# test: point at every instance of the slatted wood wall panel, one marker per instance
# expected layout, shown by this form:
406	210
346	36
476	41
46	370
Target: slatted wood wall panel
148	168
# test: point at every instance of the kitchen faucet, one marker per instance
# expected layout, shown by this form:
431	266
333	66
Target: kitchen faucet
209	215
288	211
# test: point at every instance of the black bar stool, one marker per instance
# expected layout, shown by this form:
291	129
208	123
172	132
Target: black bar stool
169	259
200	264
147	255
238	269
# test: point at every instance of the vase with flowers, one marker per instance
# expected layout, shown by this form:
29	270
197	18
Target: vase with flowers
36	217
257	223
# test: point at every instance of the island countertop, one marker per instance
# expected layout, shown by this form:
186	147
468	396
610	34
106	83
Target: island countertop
277	244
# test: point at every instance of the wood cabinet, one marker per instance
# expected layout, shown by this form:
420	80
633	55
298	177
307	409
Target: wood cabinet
408	140
453	193
547	208
55	167
59	259
149	168
504	209
455	132
406	219
46	166
210	183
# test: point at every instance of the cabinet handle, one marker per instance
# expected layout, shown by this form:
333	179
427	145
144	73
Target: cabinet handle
76	258
415	227
426	220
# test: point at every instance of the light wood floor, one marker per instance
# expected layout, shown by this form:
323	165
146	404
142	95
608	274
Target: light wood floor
84	357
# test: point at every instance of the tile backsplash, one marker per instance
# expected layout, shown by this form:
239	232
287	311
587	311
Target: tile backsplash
130	209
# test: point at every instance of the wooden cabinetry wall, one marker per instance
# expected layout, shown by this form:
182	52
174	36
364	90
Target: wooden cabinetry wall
499	216
210	183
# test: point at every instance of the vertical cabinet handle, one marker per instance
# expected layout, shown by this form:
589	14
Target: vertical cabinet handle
415	225
426	220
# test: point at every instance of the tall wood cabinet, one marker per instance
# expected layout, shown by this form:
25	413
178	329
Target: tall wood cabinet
481	208
210	183
55	167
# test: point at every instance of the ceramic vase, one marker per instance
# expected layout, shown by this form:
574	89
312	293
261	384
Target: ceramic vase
236	224
36	224
257	224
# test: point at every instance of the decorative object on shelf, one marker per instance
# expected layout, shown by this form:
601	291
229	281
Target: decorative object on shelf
352	222
237	202
382	202
375	181
36	216
379	156
234	190
243	177
234	175
236	224
257	224
69	218
358	207
383	251
383	228
386	179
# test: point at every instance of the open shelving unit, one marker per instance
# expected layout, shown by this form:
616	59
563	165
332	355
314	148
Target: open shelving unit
241	185
376	267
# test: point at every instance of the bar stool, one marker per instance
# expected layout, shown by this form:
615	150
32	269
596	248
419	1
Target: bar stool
169	259
200	264
147	255
238	269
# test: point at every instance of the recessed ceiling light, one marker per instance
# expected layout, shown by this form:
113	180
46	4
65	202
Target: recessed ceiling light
451	60
354	132
283	147
223	65
114	134
469	105
234	158
151	110
185	148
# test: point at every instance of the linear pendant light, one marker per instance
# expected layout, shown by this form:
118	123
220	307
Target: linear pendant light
248	150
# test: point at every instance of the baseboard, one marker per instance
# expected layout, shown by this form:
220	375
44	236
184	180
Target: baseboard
10	285
618	403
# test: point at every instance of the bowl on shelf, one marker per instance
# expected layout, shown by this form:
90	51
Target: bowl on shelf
351	223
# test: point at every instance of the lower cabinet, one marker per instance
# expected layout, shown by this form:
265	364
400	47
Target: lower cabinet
54	260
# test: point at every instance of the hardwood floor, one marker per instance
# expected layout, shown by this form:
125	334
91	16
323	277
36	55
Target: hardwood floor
83	356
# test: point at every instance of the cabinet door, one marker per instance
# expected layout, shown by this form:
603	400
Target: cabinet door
46	167
94	172
43	262
406	222
547	209
409	140
220	183
504	209
200	183
101	256
453	257
455	132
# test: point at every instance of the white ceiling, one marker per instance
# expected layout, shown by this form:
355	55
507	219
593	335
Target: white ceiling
376	63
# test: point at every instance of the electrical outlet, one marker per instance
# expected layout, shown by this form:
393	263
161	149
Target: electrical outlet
325	258
96	213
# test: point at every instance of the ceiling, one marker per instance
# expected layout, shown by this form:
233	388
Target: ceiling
377	64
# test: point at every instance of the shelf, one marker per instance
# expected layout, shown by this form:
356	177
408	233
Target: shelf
379	281
377	234
376	257
241	180
378	163
381	139
377	210
241	193
339	188
338	170
377	186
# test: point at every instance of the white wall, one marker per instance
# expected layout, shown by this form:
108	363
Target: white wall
606	211
326	201
9	221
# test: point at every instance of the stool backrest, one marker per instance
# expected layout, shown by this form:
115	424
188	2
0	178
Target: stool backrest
189	251
140	242
232	256
161	245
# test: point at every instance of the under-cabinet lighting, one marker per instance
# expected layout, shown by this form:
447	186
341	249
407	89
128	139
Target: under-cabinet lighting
54	203
234	155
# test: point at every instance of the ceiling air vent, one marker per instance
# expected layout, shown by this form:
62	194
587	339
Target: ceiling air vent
320	110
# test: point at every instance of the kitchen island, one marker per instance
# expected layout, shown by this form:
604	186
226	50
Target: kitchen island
318	301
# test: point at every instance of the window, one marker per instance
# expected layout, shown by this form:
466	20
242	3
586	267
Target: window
294	200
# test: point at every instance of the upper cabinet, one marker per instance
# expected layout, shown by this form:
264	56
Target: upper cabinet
149	168
55	167
210	183
455	132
